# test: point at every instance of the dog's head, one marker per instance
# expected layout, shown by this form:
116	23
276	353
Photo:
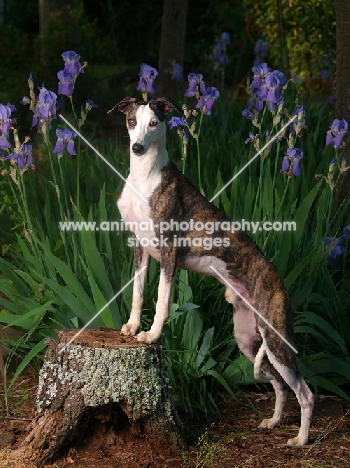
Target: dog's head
145	122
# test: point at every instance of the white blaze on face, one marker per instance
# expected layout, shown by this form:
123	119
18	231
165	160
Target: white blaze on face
147	130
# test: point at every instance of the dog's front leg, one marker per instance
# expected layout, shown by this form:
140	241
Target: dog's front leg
162	309
141	261
167	271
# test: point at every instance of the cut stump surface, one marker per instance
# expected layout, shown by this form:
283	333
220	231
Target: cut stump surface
101	375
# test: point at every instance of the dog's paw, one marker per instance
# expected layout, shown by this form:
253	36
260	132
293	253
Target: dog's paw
147	337
268	423
129	329
262	378
297	441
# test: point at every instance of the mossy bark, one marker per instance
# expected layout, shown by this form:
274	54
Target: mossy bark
100	375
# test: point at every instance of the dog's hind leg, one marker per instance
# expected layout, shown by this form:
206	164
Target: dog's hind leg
281	391
254	342
141	261
292	377
251	344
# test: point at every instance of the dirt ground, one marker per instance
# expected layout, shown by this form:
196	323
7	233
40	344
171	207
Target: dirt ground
228	439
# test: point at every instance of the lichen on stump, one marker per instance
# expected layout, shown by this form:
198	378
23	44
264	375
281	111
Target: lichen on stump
101	374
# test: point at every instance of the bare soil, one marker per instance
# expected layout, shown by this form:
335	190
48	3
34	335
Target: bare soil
228	439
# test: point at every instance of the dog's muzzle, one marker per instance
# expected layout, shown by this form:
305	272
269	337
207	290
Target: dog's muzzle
138	149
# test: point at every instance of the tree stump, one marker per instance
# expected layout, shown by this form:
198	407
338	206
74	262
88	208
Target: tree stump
102	375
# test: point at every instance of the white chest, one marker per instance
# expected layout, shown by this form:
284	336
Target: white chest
135	212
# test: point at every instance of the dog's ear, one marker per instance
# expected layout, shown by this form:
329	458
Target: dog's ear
126	105
165	106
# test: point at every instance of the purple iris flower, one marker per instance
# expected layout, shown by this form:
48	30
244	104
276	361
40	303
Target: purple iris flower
66	83
260	48
332	164
12	107
247	113
263	91
89	105
274	84
177	72
177	122
195	82
219	55
275	106
27	154
46	104
147	75
206	101
299	123
255	105
285	164
225	38
260	73
18	157
291	162
72	64
5	114
219	49
65	141
24	157
25	100
334	246
346	232
250	138
336	133
4	144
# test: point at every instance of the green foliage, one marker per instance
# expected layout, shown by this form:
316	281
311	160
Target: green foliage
205	26
18	54
198	344
299	34
71	28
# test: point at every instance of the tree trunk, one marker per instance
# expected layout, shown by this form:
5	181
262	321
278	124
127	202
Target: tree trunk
101	375
342	11
172	46
48	7
49	12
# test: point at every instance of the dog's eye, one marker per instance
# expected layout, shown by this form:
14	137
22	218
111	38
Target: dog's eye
131	122
153	123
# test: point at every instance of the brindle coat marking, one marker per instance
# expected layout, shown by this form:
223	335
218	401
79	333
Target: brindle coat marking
172	197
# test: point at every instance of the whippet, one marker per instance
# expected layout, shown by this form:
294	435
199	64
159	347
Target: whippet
164	195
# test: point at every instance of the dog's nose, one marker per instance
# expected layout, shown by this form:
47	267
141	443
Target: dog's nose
137	148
